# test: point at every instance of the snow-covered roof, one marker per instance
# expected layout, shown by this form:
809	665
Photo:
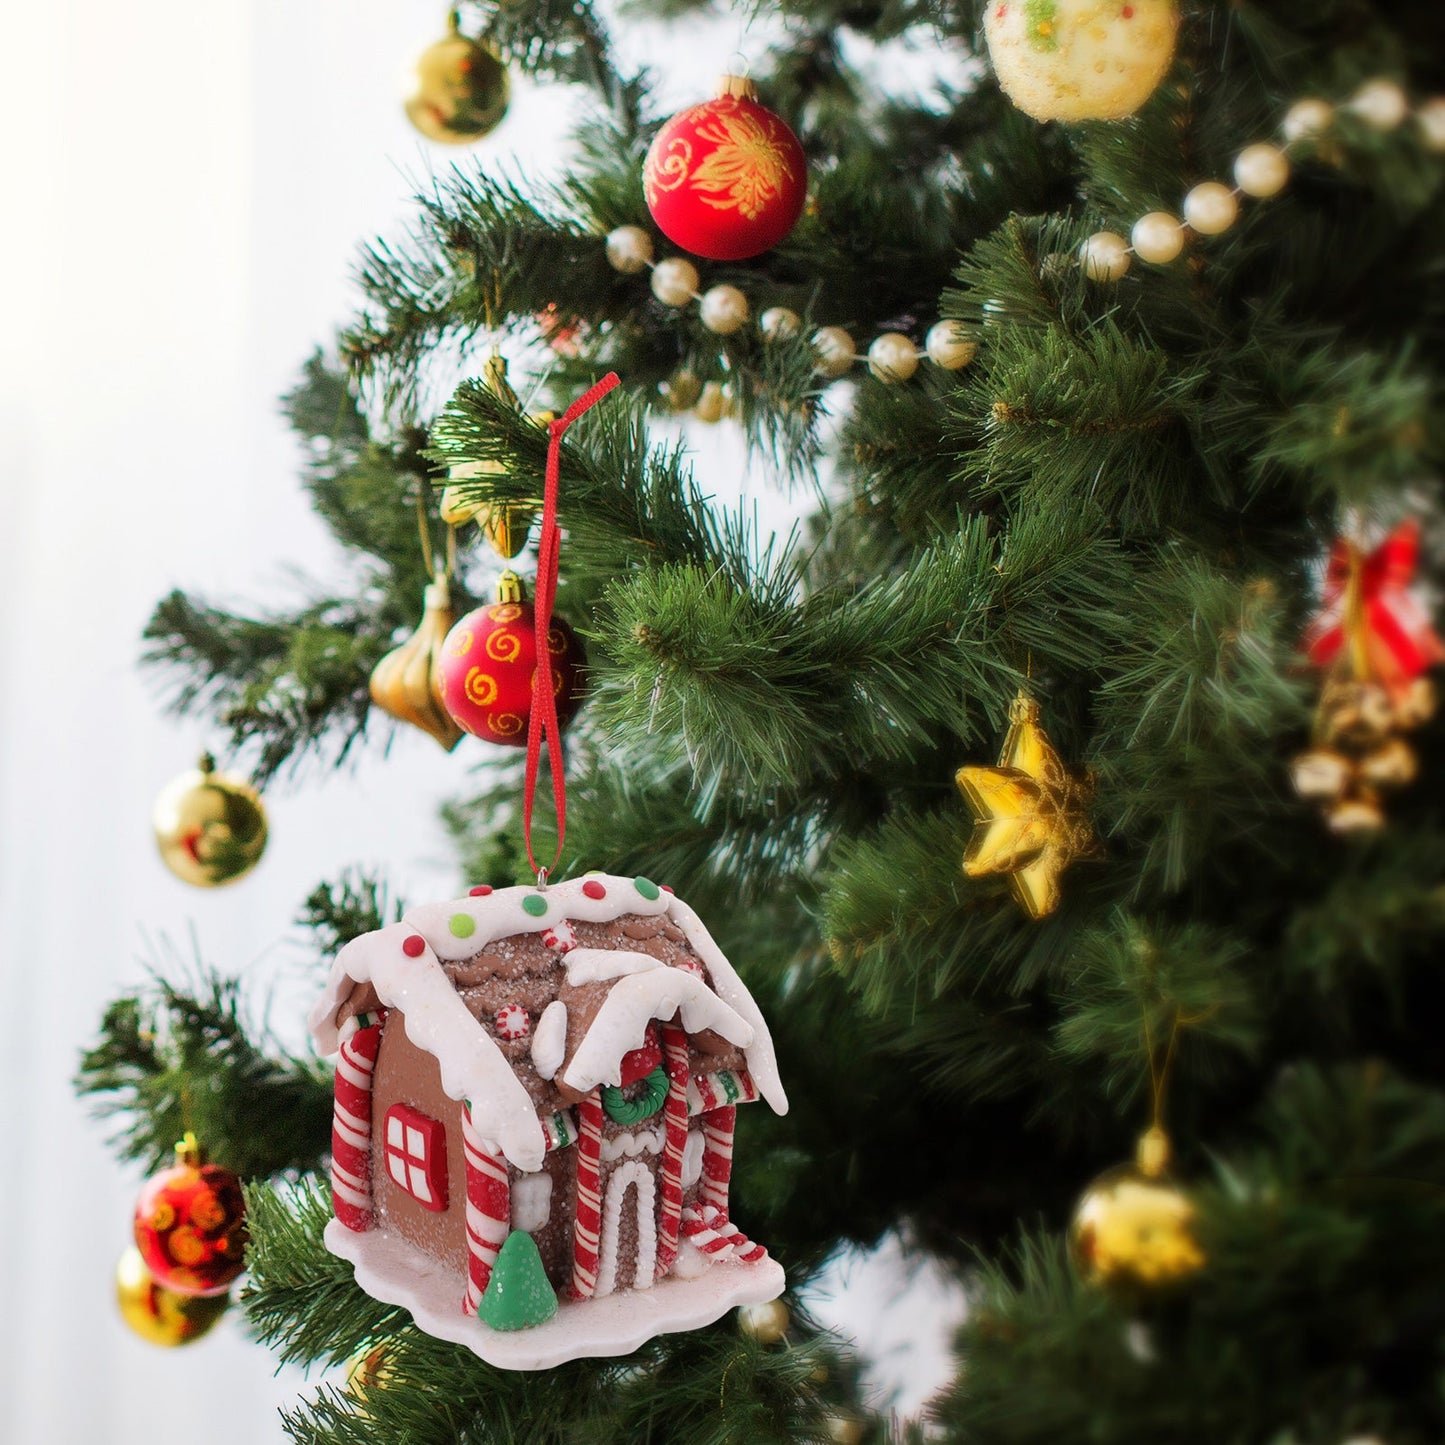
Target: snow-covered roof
407	975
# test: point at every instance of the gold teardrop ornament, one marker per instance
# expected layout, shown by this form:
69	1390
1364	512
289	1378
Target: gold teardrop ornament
404	684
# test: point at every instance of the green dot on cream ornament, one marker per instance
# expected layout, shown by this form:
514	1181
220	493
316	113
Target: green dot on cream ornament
1078	60
462	925
647	888
534	904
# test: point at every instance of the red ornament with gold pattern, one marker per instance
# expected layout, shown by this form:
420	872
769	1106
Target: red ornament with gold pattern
190	1224
490	658
726	179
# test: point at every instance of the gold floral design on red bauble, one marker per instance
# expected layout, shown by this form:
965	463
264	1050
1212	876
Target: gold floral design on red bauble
190	1228
746	171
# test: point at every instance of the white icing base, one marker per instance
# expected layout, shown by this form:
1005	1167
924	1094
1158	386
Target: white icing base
395	1272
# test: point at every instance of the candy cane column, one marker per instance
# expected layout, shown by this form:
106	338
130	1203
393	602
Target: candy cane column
674	1049
717	1156
489	1210
587	1227
351	1129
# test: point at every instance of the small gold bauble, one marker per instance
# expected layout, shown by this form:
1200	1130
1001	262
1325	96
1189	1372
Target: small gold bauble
723	309
158	1314
1133	1228
779	323
210	827
892	357
1105	256
1321	773
366	1371
765	1323
844	1430
681	390
1261	170
712	403
1306	119
629	249
1356	816
1158	238
1211	208
1430	117
674	281
1391	766
1381	104
949	345
460	90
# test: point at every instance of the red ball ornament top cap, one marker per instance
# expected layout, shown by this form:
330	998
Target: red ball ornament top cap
738	86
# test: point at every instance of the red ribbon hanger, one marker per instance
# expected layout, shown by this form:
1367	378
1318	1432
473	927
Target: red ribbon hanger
543	722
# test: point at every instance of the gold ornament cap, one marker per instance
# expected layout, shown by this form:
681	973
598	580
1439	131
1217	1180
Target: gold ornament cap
510	588
739	87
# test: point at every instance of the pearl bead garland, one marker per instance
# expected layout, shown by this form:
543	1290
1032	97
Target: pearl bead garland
1210	208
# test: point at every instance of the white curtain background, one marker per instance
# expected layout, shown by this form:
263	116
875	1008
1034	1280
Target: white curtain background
187	186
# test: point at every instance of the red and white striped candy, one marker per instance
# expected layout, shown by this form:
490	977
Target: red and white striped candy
717	1237
351	1130
717	1156
674	1110
513	1021
587	1227
560	938
489	1210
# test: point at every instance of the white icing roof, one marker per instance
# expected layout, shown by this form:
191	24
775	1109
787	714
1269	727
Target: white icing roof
472	1066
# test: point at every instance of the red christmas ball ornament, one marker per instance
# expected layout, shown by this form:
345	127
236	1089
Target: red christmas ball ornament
190	1224
488	662
726	179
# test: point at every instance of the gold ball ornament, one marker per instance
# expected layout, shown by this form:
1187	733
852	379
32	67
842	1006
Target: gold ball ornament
844	1430
765	1323
681	390
724	309
835	351
367	1371
1080	59
712	403
158	1314
949	346
210	827
892	357
1105	256
674	281
460	89
1261	170
1307	119
1133	1228
629	250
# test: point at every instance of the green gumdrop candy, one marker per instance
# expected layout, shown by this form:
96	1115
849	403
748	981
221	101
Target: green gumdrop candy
518	1295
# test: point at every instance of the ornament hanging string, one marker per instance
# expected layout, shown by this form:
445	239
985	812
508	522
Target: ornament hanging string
543	724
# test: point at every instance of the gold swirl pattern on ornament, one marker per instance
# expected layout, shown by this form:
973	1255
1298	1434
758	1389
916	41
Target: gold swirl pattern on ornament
504	612
481	688
556	642
504	724
462	643
559	683
747	169
669	171
504	646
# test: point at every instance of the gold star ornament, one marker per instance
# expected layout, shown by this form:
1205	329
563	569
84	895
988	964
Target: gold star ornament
1030	814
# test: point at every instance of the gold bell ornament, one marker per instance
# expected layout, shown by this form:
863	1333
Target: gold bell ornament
210	827
507	526
1030	813
406	685
459	89
161	1315
1133	1228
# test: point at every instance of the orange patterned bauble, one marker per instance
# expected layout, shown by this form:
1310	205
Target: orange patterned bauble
488	662
190	1224
726	179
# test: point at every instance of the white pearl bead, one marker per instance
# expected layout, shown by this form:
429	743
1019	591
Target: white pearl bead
835	349
1157	237
778	323
1261	170
674	281
1211	208
712	405
948	345
1380	104
629	250
1431	116
892	357
723	309
1306	119
1104	256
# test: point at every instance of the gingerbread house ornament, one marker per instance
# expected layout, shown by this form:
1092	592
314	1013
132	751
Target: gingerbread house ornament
561	1063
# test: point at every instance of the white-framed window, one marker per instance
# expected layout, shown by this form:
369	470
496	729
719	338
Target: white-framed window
416	1155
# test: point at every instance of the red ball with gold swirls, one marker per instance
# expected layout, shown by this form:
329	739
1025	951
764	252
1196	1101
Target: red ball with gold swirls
190	1224
489	661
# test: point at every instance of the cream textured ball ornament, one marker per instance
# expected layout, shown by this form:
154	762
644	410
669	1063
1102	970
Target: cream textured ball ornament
1105	256
629	250
778	323
1211	208
892	357
674	281
1306	119
1261	170
1080	59
1157	237
948	345
724	309
1381	104
835	349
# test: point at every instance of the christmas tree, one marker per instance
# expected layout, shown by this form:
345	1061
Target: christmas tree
1050	791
